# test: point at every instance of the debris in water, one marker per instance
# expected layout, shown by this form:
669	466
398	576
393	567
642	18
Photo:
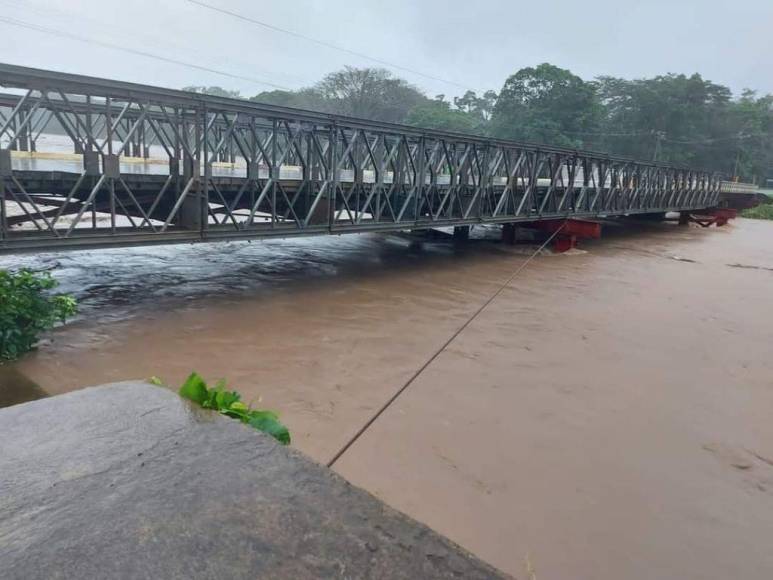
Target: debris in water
749	267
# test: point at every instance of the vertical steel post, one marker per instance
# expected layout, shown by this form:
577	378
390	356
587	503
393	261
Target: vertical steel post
309	176
3	223
203	185
5	170
274	169
484	178
332	194
111	184
418	188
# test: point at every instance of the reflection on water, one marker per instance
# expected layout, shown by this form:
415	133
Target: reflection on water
17	388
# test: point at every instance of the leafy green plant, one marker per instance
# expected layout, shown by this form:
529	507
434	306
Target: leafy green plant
229	403
27	308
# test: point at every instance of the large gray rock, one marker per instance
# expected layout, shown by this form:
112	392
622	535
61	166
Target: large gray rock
130	481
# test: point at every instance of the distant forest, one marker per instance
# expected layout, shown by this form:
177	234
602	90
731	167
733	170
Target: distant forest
674	118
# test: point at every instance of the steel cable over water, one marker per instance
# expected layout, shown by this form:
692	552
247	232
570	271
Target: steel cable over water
361	431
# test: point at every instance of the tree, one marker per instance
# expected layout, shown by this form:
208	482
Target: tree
679	118
215	91
369	93
546	104
480	107
674	118
752	116
301	99
438	114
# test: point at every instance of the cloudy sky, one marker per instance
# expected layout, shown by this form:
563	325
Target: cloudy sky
447	45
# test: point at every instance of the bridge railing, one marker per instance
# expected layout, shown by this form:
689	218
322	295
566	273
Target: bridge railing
89	162
738	187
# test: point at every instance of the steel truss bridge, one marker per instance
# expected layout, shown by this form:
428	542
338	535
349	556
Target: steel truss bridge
89	162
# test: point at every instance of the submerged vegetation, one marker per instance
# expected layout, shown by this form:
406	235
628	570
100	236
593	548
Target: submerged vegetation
28	308
229	403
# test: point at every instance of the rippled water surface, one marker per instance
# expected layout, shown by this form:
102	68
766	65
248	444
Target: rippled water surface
115	282
607	416
131	289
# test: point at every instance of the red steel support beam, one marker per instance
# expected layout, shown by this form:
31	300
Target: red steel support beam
724	215
567	231
569	227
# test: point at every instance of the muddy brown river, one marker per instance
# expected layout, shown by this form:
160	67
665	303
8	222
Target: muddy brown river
607	416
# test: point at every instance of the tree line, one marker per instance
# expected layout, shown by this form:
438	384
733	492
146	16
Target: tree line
672	118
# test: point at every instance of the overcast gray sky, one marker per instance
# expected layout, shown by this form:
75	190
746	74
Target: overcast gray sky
472	43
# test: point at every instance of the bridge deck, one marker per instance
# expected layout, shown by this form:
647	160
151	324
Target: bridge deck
88	162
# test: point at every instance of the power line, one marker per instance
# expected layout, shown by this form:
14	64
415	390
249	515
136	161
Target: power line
71	36
718	139
72	17
593	133
38	28
323	43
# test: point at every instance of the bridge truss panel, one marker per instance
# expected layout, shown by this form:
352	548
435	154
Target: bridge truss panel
90	162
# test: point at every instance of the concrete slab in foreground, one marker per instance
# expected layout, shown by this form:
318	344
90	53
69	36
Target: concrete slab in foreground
130	481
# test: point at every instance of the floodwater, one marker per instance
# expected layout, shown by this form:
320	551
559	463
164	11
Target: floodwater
607	416
297	322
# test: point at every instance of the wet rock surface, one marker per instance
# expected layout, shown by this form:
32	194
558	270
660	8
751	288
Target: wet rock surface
130	481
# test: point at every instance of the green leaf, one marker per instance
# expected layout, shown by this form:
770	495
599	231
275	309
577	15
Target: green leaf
237	410
225	399
209	399
154	380
256	413
267	422
195	389
236	414
229	403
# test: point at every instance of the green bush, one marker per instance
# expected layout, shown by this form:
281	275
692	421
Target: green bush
229	403
27	308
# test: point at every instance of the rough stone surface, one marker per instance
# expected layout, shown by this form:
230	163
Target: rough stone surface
130	481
